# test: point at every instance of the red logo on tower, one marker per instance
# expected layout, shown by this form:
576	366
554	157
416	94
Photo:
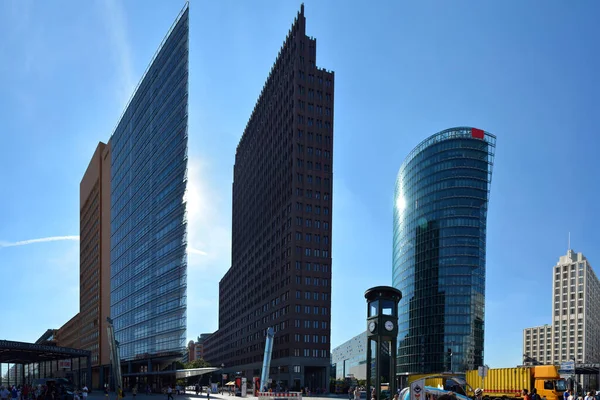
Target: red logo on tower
477	133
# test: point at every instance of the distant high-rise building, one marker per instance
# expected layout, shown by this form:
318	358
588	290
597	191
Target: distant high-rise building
539	343
94	263
147	215
440	218
191	349
196	349
575	310
575	316
280	275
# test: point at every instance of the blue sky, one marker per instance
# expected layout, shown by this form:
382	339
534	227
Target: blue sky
525	71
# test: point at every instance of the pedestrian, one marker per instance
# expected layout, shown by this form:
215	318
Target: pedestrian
170	393
478	394
526	395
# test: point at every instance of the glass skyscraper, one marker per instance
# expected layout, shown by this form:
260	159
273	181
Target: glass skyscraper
148	220
440	214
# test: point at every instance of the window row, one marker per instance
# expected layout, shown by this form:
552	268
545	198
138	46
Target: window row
310	209
312	295
316	310
310	338
316	166
316	267
310	194
309	223
313	150
312	281
316	353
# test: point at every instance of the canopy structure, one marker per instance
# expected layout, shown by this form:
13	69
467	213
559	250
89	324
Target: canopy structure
22	353
28	353
186	373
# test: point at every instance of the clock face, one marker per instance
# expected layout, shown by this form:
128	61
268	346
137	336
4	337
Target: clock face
389	325
371	326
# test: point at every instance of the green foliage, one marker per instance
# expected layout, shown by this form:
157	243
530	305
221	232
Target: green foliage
199	363
179	365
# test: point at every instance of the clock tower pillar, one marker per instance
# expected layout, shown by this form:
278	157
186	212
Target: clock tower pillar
382	338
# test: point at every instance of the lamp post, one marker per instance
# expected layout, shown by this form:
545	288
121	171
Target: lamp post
222	366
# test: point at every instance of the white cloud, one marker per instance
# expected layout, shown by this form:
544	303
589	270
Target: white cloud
40	240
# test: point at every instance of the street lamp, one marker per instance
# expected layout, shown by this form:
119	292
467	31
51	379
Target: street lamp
222	366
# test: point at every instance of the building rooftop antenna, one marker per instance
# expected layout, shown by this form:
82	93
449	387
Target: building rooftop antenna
569	243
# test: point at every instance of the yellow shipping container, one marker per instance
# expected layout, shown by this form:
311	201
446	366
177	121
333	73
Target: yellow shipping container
506	383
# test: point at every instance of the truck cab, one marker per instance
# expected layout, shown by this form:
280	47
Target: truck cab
548	383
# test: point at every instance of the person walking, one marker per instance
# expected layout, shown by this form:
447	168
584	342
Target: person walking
170	392
478	394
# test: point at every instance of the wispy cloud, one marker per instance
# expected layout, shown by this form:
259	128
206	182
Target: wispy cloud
191	250
40	240
116	25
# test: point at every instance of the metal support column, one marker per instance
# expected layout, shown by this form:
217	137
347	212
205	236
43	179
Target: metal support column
88	381
369	363
378	372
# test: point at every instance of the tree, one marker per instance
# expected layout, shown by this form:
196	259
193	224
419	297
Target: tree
199	363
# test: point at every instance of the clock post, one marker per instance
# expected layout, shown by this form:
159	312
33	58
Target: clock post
382	336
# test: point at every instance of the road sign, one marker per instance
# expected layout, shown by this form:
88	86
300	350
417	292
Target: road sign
567	368
482	371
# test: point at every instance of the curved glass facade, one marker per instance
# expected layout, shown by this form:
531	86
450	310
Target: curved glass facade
148	222
440	214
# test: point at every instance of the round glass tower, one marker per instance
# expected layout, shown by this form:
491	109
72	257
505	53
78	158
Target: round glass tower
440	214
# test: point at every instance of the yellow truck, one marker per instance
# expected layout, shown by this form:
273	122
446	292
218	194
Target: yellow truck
508	383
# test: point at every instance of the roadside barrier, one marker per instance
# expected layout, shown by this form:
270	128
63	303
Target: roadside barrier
280	396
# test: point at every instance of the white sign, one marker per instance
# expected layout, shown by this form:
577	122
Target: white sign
244	387
64	364
417	390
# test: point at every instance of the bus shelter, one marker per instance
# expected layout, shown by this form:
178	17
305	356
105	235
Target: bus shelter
22	363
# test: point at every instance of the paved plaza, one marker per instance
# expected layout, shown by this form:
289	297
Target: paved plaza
98	395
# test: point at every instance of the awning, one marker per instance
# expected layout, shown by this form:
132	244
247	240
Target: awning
186	373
